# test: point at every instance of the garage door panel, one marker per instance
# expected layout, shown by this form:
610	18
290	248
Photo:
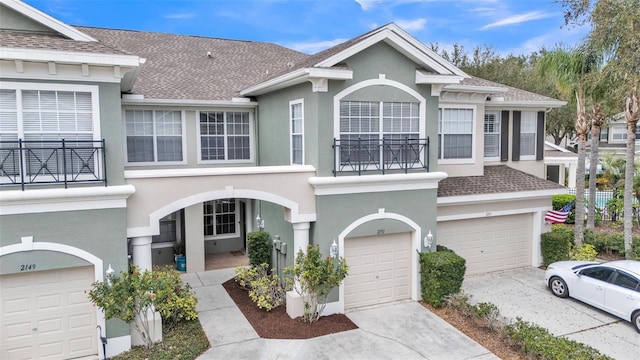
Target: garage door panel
489	244
387	268
48	315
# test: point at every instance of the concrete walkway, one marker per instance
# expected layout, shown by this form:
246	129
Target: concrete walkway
522	293
396	331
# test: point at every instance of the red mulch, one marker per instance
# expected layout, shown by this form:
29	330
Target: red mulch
276	324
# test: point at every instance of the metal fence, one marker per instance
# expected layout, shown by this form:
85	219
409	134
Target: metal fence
602	198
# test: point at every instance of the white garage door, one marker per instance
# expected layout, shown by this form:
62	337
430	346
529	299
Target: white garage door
379	269
48	315
489	244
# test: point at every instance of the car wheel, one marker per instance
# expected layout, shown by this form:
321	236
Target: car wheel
635	320
558	287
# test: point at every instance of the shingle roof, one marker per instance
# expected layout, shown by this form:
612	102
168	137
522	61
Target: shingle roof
178	67
42	41
558	153
496	179
512	94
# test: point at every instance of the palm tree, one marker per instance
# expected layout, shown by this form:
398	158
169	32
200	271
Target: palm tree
631	114
572	69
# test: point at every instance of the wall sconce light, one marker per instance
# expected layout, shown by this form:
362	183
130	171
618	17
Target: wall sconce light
428	240
109	273
259	222
333	250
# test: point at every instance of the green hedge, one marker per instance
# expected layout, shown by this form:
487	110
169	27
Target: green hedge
556	245
259	248
538	343
442	274
560	200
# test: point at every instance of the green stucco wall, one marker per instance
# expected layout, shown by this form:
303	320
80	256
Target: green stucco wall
11	20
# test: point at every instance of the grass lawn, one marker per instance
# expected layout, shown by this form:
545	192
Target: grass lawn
184	341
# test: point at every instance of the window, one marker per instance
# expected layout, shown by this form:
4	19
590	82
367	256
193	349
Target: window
296	116
604	134
153	136
618	132
455	132
528	134
598	273
220	218
492	134
627	281
168	229
42	115
225	136
371	130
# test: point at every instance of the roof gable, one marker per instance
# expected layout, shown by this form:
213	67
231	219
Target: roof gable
46	21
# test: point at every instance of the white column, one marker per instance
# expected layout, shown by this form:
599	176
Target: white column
571	182
142	252
300	237
194	237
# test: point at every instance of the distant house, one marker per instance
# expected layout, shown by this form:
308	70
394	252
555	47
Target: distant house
118	144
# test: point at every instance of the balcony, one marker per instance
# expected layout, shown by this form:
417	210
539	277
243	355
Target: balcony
25	162
380	156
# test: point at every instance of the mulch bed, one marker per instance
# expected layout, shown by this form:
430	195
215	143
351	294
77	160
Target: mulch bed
276	324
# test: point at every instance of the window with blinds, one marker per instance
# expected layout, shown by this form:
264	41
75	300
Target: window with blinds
528	133
455	132
492	134
296	116
154	136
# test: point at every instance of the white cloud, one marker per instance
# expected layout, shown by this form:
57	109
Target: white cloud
411	25
517	19
368	4
313	47
559	37
180	16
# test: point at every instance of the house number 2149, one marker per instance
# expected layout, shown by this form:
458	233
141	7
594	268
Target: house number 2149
27	267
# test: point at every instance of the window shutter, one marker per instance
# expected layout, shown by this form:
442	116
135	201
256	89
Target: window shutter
515	150
504	134
540	136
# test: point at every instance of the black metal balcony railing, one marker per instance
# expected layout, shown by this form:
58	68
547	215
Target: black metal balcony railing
380	155
26	162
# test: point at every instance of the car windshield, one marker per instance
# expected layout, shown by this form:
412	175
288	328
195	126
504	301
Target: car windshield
581	266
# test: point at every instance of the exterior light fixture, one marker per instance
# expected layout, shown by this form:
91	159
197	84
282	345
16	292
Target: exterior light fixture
109	273
333	250
428	240
259	222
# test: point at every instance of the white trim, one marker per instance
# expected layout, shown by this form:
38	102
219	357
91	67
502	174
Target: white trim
498	115
297	77
486	214
537	104
27	244
291	104
476	89
484	198
46	20
338	307
14	202
249	170
129	62
140	100
291	206
556	147
118	345
423	77
375	183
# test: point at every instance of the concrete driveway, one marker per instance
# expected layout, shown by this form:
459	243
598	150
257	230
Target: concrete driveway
397	331
522	293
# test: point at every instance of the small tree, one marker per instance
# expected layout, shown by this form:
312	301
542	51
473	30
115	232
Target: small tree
315	278
259	248
136	295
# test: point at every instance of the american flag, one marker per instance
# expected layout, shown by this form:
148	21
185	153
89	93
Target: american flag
559	216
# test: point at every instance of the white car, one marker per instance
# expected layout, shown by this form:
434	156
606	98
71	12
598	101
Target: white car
611	286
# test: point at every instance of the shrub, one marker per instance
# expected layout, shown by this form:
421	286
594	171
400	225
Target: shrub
134	293
442	274
635	248
265	289
555	246
538	343
560	200
259	248
316	277
586	252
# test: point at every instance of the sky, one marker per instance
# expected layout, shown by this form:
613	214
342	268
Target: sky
508	26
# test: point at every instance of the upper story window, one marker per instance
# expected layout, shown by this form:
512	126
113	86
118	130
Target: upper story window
618	132
455	132
528	134
492	134
154	136
221	218
224	136
296	122
50	134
